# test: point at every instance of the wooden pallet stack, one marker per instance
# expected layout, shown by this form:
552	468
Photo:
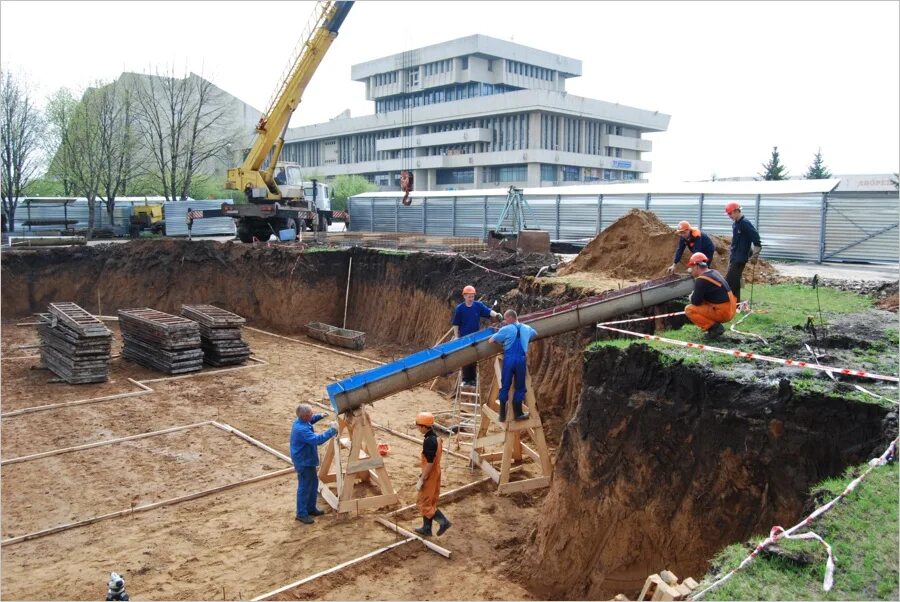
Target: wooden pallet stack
220	334
74	344
161	341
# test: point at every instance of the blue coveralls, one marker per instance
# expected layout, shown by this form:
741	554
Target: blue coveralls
515	338
305	457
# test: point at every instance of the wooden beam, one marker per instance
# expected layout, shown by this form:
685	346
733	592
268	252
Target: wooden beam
322	347
364	465
334	569
230	429
428	544
144	391
258	361
523	485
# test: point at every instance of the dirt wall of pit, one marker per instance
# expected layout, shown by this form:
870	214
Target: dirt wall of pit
662	465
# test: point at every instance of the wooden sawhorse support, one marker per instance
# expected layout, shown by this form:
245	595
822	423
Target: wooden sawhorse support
510	437
363	464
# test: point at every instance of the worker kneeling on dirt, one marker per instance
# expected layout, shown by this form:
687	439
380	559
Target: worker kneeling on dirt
514	337
694	240
712	301
466	320
305	456
429	483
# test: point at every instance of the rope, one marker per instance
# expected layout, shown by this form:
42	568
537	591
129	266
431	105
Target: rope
488	269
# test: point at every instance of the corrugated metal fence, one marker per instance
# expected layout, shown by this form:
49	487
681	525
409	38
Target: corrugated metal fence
174	212
808	227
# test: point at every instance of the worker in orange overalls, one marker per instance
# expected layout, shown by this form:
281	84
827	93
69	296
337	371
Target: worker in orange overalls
712	301
429	483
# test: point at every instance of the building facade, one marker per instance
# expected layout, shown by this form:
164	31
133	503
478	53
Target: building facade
478	112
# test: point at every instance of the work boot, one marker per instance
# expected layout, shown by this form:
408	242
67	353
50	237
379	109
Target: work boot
715	331
425	529
518	414
442	521
502	410
306	520
316	512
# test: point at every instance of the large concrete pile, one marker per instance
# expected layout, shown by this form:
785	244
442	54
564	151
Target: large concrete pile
74	344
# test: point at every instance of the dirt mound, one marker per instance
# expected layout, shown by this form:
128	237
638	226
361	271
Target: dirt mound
640	246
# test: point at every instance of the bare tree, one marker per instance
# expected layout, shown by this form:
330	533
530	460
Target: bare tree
22	126
80	144
115	123
184	126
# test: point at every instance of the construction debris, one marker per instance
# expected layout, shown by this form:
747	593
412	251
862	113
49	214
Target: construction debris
220	334
161	341
665	586
74	344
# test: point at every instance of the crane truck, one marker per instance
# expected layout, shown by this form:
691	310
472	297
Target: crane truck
277	198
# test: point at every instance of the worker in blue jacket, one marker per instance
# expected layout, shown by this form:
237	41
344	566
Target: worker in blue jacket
745	245
467	320
305	456
514	337
693	239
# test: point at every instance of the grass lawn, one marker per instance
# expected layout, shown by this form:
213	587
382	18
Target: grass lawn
862	530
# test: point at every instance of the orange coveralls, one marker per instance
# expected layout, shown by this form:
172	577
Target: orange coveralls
707	314
427	500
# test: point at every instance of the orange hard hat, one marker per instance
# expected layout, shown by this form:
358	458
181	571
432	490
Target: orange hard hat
469	290
732	206
698	258
424	419
684	226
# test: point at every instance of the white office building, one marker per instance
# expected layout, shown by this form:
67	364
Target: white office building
478	112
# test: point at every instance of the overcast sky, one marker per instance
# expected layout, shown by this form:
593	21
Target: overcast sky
737	78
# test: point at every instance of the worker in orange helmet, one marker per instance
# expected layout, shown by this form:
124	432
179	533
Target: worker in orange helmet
745	246
466	320
429	483
693	239
712	301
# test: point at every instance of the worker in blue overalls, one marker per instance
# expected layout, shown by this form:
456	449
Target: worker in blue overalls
514	336
466	320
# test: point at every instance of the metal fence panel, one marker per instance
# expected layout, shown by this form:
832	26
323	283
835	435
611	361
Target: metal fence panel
175	213
789	226
577	217
542	214
673	208
409	218
614	207
360	210
716	221
384	216
862	228
470	216
439	218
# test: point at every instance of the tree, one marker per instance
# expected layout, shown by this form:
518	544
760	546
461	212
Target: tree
21	129
818	171
115	116
184	127
774	170
345	187
81	147
60	108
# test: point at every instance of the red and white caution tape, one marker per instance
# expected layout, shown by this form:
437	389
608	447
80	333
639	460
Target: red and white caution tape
779	533
645	318
756	356
855	386
487	269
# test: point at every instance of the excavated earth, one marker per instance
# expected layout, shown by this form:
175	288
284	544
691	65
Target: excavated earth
657	464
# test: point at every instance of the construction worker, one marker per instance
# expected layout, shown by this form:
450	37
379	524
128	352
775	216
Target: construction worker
694	240
514	337
189	221
745	245
466	320
305	456
712	301
429	483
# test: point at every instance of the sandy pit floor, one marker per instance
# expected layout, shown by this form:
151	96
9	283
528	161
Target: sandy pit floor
238	543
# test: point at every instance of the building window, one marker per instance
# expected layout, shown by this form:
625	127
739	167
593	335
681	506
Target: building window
548	173
629	175
506	174
490	65
455	176
571	173
465	63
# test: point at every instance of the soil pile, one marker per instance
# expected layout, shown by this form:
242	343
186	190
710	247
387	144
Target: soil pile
640	246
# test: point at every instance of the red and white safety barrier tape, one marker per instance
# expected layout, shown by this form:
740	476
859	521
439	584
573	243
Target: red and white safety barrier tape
780	533
756	356
645	318
487	268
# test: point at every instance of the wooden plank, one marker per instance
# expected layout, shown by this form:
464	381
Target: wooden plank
486	467
377	501
523	485
333	569
253	441
490	414
397	529
649	588
364	465
491	440
328	495
531	453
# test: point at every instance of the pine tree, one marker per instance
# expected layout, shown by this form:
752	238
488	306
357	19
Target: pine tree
774	170
818	171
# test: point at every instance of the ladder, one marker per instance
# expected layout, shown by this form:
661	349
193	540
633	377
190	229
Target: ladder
467	405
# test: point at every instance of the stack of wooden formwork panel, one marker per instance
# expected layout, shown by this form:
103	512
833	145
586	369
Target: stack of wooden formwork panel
220	334
161	341
74	344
